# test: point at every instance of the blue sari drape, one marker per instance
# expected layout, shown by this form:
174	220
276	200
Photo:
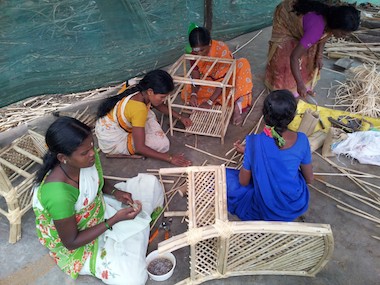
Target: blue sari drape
278	191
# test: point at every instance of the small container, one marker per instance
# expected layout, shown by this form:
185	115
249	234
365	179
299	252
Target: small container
155	255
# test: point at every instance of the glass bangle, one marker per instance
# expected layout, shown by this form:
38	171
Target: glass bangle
107	225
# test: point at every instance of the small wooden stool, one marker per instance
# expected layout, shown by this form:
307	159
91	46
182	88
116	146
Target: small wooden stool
208	122
18	164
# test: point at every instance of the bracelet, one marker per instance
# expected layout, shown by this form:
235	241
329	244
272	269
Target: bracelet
107	225
113	191
210	102
179	118
170	158
194	94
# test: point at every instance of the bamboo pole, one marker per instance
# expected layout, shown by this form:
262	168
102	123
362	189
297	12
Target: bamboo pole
210	154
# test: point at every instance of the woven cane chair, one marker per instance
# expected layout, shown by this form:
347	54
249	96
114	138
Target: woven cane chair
220	248
18	163
209	122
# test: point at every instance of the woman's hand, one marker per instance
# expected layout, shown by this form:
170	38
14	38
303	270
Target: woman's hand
205	105
239	147
319	62
186	122
128	213
193	100
180	160
302	91
124	197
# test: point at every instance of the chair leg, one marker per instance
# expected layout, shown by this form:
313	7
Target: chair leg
14	217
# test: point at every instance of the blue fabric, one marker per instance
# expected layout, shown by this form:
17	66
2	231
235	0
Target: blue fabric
278	191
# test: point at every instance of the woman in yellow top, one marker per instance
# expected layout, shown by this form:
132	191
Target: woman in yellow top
126	124
205	96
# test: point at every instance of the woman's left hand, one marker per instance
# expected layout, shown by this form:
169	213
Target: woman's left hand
204	105
186	122
124	197
240	148
319	62
180	160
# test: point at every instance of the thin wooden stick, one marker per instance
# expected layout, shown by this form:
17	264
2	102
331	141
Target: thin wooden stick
368	191
377	220
342	174
247	42
212	155
125	179
358	214
253	106
351	194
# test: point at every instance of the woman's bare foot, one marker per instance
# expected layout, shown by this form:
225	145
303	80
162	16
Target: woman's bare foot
237	117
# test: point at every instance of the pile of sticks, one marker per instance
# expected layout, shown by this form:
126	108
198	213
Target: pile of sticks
360	94
366	199
30	109
365	52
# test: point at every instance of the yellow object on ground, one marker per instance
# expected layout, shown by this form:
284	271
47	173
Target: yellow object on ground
324	113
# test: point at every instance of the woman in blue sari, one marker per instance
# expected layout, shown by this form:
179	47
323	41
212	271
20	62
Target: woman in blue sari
272	183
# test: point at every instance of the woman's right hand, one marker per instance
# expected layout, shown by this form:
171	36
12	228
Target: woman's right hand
180	160
302	91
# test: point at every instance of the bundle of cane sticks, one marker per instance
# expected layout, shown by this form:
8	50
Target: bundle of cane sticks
365	52
360	94
33	108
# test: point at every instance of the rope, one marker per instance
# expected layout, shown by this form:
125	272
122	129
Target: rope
223	228
194	236
10	196
14	216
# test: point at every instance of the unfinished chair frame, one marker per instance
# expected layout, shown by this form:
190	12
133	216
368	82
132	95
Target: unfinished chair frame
209	122
220	248
18	163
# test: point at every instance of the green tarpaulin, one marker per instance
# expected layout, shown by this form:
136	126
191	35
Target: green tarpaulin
64	46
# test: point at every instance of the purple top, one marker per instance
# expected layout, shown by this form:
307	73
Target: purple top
313	28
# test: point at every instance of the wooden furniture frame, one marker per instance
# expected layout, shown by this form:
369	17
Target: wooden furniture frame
220	248
18	164
209	122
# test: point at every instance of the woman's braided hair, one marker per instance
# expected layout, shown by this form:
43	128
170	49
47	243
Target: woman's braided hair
279	110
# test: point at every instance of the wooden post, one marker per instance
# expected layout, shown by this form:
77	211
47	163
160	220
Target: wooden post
208	15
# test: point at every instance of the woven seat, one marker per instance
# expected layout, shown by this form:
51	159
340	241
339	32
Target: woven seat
208	122
18	164
220	248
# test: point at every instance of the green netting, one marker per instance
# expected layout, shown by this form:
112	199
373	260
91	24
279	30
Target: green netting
64	46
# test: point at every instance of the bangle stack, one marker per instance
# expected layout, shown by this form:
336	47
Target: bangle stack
209	102
107	225
113	191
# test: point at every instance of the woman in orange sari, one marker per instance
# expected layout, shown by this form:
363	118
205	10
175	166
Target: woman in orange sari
205	96
300	31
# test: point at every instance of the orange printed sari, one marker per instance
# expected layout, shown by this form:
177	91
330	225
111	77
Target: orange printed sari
243	91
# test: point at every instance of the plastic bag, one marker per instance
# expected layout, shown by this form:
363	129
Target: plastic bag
363	146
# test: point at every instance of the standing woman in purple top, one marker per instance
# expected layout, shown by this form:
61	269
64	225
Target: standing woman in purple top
300	31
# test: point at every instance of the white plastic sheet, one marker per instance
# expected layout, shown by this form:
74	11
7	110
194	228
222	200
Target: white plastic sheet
363	146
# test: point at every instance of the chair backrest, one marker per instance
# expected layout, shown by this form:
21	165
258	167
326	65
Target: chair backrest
220	248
